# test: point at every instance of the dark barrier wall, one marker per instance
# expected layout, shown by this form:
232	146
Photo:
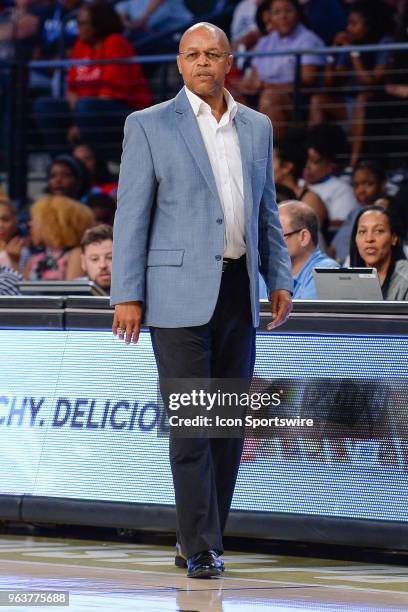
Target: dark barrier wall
81	433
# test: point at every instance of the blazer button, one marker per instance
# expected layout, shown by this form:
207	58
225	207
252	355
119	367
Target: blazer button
218	257
219	221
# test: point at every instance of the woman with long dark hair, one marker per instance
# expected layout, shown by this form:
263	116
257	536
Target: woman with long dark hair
376	242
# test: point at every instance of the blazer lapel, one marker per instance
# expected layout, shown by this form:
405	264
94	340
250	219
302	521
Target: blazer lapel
190	131
244	132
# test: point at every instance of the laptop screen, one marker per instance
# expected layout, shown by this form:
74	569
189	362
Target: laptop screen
347	284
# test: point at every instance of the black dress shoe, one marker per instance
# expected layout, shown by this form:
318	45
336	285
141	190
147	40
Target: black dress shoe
180	560
205	564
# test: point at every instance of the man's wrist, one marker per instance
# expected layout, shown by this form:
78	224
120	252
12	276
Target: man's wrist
281	289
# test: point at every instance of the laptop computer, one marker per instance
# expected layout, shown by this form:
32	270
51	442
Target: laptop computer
348	284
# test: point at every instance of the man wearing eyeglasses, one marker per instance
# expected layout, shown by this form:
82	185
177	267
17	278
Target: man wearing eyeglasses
300	226
196	220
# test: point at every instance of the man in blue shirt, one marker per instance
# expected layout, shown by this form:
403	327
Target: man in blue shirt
301	230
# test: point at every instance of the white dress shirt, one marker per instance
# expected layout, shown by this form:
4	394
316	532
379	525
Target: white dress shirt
222	145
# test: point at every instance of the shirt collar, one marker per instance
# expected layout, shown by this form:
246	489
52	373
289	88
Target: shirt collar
198	105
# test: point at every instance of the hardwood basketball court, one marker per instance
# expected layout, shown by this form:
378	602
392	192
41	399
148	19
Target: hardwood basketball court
108	576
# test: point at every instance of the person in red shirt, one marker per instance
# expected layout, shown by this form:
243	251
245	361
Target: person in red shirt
100	96
100	37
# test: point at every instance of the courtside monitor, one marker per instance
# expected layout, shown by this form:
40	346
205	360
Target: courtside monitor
347	284
59	287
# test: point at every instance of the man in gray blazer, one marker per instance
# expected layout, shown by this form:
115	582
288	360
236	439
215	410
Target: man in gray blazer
196	220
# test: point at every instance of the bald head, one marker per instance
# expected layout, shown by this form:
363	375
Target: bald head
296	215
208	31
204	60
292	206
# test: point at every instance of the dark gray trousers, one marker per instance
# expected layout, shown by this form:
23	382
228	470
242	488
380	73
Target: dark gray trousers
205	469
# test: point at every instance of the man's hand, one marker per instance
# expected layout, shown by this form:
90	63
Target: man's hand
127	321
281	307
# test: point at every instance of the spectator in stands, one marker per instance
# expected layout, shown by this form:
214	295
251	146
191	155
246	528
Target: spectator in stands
259	24
400	209
326	142
392	103
273	77
153	16
284	193
289	159
69	177
58	28
368	181
99	96
10	243
376	242
103	208
263	18
9	281
325	17
101	178
358	74
18	29
96	255
244	30
300	226
57	225
58	31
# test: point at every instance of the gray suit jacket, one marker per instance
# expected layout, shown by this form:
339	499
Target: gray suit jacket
169	226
